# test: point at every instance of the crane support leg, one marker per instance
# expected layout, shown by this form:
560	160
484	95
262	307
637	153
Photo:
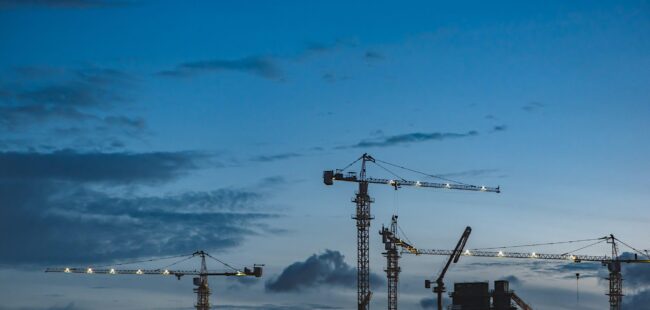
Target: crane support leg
363	218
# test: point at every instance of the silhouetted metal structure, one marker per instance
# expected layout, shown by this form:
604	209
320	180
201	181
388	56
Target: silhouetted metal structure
453	257
391	242
613	263
476	296
202	289
363	216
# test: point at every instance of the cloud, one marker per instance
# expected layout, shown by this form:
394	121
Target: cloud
639	300
533	106
282	156
280	307
326	269
262	66
499	128
412	138
432	302
372	56
47	99
69	207
637	275
69	165
79	4
65	223
513	280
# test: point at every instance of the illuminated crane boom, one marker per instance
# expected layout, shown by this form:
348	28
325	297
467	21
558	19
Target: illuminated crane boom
363	217
613	263
202	289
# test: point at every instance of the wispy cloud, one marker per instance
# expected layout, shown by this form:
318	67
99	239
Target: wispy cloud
373	56
70	165
326	269
533	106
90	202
415	137
77	4
262	66
282	156
74	106
498	128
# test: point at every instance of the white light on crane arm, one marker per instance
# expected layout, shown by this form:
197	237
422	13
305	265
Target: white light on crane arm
533	255
483	188
500	254
448	185
66	270
239	274
418	183
139	272
467	252
166	272
112	271
89	270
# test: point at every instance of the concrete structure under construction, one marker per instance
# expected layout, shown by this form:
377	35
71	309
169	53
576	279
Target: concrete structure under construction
477	296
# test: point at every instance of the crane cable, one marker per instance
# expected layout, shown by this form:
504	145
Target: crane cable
142	261
629	246
352	163
178	262
584	247
223	263
420	172
538	244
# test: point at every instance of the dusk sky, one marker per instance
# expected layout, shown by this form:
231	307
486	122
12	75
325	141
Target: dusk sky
134	130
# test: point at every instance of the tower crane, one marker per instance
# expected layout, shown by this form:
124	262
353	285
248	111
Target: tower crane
613	262
202	289
363	215
453	257
391	242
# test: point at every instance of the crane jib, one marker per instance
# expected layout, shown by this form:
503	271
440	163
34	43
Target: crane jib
330	176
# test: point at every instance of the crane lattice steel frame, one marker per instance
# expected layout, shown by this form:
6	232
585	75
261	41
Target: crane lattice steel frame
363	216
202	290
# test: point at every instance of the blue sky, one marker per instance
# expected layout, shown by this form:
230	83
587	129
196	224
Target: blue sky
133	129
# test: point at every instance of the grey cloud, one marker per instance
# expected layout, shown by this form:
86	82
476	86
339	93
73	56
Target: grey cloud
280	307
499	128
432	302
70	165
45	96
533	106
332	77
513	280
326	269
639	300
637	275
80	4
268	158
412	138
265	67
68	223
372	55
